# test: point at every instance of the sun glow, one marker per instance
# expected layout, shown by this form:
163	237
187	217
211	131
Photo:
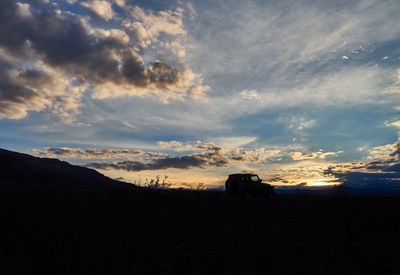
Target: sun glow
322	183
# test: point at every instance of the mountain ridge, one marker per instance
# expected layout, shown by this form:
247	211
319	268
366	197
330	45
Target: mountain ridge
23	168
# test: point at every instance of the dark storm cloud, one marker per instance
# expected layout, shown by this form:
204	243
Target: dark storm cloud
16	95
211	155
162	74
62	41
137	160
202	160
66	152
12	89
180	162
183	162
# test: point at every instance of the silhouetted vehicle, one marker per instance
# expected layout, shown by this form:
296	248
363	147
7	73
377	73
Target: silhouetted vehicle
247	185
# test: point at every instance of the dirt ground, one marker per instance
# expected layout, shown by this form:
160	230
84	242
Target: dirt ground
83	231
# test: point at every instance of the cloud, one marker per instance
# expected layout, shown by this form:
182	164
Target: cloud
198	145
277	36
129	125
120	3
383	173
383	152
396	151
36	87
255	156
198	160
311	172
276	179
24	9
183	162
323	90
395	88
137	160
43	46
192	11
102	8
238	154
252	94
66	152
312	155
301	123
394	123
234	142
149	26
16	97
199	92
205	154
202	155
385	177
291	56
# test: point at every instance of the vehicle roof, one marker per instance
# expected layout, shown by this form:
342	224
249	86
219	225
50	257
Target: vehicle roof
245	174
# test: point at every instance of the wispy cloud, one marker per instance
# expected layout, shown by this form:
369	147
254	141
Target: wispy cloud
129	125
313	155
181	146
300	123
275	34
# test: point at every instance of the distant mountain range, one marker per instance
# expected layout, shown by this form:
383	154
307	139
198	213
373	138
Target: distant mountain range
24	168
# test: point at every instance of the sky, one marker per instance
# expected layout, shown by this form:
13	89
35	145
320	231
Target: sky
303	93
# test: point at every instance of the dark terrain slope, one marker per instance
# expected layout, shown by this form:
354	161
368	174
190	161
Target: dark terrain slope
53	230
24	168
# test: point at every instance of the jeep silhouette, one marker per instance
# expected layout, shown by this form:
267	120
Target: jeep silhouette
247	185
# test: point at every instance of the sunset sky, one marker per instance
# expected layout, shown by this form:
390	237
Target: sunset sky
301	92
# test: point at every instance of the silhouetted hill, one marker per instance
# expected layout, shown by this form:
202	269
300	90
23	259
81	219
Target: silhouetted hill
24	168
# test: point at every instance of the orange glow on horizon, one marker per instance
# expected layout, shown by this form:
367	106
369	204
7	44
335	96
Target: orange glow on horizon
322	183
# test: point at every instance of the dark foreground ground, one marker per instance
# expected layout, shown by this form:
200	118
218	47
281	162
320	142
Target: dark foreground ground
82	231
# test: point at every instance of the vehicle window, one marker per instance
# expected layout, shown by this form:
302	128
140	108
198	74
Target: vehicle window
254	178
